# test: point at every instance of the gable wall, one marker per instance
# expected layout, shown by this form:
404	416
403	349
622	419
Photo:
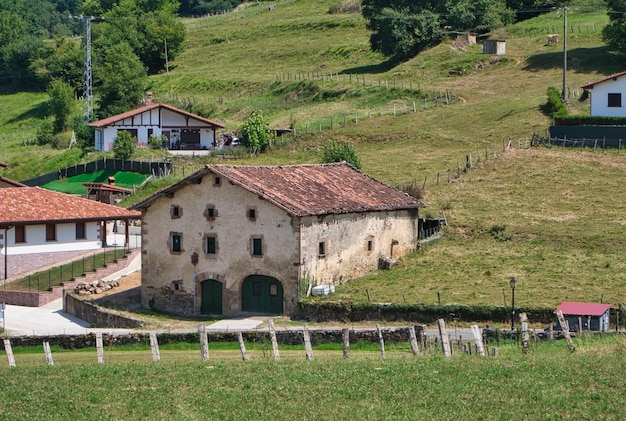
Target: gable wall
599	98
233	261
346	239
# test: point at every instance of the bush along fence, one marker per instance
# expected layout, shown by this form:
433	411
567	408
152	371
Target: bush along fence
154	168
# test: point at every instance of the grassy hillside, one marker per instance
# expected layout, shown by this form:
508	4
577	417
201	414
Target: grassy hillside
551	217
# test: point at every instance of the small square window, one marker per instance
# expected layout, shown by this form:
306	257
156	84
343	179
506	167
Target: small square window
218	181
257	247
321	249
210	212
370	245
615	100
176	211
251	213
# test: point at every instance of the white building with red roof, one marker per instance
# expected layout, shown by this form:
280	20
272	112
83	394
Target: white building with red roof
179	129
608	95
36	220
586	316
228	239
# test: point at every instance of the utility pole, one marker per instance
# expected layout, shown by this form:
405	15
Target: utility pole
87	79
564	93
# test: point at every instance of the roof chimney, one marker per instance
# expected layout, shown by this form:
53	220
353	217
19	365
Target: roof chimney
111	181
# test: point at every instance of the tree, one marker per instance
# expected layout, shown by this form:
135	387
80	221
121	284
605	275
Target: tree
124	145
340	151
255	132
614	34
122	80
60	103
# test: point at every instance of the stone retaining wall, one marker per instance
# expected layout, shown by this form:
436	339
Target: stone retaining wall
98	317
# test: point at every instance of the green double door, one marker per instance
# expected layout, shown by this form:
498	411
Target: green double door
211	297
262	294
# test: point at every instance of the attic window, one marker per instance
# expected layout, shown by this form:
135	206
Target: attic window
218	181
210	213
370	245
251	214
615	100
176	211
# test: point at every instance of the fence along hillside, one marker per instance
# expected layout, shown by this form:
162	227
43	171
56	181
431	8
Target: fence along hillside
155	168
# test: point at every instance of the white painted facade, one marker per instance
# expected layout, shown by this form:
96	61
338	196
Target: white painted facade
157	121
608	97
65	239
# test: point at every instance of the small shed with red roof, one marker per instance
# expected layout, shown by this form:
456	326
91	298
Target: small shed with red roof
588	316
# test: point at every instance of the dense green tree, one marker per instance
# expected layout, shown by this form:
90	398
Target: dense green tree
62	60
84	134
478	15
614	34
255	132
122	80
60	104
340	151
124	145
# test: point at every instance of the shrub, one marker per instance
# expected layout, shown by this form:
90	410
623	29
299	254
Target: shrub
84	134
124	145
340	151
555	107
256	134
45	133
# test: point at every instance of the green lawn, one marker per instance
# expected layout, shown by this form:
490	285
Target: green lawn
74	185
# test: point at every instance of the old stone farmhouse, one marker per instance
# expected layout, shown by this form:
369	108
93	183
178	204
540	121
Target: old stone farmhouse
228	239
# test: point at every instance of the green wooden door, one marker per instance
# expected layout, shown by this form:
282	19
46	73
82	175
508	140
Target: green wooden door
211	297
262	294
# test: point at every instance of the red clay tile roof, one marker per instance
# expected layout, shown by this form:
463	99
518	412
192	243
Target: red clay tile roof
613	76
583	309
34	205
110	120
302	190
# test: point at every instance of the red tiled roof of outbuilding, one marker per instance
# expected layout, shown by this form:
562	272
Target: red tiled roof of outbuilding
583	309
590	85
34	205
301	190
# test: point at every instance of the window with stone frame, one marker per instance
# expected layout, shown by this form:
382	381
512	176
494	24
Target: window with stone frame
176	242
176	211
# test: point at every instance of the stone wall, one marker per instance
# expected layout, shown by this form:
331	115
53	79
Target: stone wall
99	317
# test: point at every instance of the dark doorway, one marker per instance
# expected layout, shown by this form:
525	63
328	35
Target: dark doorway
262	294
211	297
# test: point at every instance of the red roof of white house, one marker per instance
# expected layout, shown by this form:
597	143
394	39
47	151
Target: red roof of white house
12	183
305	190
614	76
128	114
34	205
583	309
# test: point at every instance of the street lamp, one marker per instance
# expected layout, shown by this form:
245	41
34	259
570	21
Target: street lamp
512	283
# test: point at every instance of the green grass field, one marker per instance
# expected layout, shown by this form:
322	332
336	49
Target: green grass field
550	383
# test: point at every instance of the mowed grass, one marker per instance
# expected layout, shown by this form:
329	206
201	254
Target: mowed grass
550	383
74	185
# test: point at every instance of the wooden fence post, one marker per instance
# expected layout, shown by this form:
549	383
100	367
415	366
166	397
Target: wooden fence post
382	342
273	340
99	348
413	341
345	335
154	345
9	351
565	329
47	353
443	335
242	346
478	340
525	333
307	344
204	342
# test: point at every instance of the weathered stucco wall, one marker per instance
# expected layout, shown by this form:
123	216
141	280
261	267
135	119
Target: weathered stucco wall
353	243
168	280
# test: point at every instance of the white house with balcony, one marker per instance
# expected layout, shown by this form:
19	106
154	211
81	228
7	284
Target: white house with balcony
177	128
